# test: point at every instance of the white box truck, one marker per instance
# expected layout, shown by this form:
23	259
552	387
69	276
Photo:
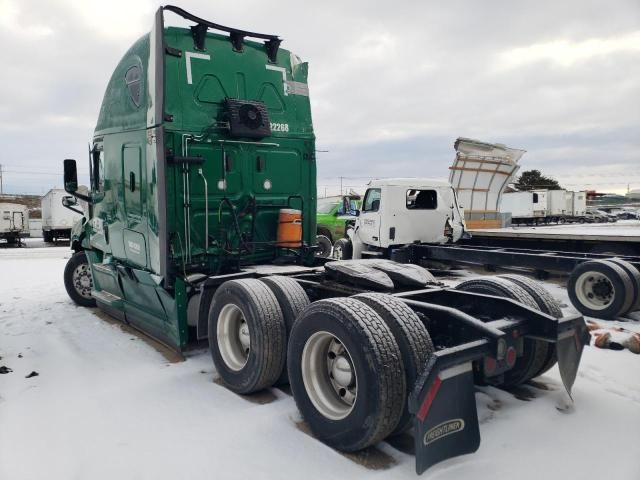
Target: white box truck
57	220
14	222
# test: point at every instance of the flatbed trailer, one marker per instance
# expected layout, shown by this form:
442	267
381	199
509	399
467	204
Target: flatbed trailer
541	261
599	285
606	238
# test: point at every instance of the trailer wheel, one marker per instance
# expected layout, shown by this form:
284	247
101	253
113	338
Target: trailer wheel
346	374
411	336
342	249
78	281
634	274
546	304
292	300
600	289
323	246
247	335
534	352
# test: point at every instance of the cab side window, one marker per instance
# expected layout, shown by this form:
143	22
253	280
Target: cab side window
97	182
372	200
422	199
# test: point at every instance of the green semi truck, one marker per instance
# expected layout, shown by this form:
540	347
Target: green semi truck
201	224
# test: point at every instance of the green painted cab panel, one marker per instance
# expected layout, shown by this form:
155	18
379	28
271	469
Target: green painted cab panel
156	219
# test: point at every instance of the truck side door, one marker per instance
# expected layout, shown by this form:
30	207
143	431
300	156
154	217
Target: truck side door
369	220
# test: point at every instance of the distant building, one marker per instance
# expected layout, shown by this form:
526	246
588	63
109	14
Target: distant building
633	194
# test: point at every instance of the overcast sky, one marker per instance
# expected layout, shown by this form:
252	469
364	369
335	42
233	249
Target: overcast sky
393	84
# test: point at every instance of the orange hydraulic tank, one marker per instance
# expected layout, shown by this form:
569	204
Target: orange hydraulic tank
290	228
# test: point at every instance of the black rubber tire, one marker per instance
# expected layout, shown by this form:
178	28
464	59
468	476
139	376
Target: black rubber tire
546	304
75	261
343	245
545	301
292	300
267	332
618	277
326	232
324	246
634	274
534	353
376	359
411	336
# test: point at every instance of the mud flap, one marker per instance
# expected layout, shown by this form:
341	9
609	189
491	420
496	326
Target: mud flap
444	406
569	346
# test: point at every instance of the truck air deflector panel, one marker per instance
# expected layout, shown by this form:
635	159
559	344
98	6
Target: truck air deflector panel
236	36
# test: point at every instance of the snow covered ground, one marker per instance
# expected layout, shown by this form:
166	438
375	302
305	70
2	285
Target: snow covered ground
108	405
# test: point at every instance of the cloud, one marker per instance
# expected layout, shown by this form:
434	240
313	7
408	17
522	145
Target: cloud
392	85
566	53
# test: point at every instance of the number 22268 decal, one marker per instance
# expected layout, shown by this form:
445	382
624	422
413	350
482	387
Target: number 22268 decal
279	127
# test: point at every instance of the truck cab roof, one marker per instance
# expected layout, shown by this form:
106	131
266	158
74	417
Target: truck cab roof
409	182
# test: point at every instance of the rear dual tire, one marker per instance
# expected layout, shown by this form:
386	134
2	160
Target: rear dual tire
546	304
602	289
247	335
347	375
412	337
535	354
292	300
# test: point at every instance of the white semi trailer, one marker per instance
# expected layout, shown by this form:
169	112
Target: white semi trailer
525	207
544	206
14	222
57	220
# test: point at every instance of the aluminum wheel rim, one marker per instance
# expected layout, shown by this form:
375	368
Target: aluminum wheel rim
595	290
329	376
82	281
234	340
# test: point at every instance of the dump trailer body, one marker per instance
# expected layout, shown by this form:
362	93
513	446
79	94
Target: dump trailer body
14	221
57	220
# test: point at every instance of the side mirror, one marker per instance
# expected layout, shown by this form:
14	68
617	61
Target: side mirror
69	201
70	176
